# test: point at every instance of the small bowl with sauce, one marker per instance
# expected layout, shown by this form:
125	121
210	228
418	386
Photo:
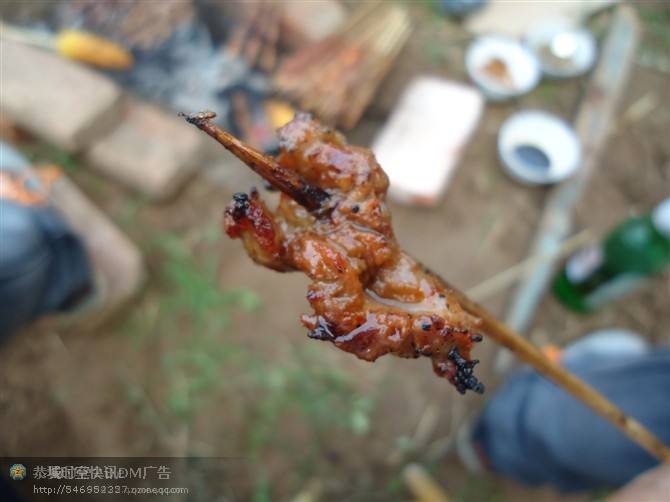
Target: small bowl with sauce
538	148
502	67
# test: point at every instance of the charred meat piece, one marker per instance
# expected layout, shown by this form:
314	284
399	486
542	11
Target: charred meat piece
369	297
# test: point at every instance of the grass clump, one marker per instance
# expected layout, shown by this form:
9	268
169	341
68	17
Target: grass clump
202	372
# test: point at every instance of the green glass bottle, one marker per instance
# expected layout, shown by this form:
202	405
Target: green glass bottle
602	272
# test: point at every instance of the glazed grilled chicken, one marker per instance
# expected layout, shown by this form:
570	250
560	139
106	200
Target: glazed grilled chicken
332	223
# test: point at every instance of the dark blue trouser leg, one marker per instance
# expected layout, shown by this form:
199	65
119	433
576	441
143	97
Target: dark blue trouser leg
534	432
42	265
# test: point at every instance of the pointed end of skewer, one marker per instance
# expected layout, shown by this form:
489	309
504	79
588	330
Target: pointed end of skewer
203	121
198	118
304	193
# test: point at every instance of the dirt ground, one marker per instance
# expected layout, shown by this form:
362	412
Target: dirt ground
211	359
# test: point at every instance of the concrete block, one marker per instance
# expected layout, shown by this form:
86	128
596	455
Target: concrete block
116	260
151	151
55	99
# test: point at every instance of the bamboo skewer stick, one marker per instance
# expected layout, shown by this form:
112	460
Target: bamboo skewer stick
256	35
313	198
235	45
337	77
530	354
385	51
268	57
305	194
422	485
322	50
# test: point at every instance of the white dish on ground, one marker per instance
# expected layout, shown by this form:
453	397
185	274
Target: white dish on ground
502	67
536	147
563	49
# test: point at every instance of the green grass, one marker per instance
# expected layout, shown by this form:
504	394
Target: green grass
201	372
43	153
131	210
324	396
656	23
262	489
654	50
478	488
548	90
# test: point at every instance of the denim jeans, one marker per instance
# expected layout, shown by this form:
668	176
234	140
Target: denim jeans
536	433
43	265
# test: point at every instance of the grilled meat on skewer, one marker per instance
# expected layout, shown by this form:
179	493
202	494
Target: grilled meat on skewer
332	223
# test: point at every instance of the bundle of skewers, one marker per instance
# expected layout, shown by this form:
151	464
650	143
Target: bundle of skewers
256	36
337	77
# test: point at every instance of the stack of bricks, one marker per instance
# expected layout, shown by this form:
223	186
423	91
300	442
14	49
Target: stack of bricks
76	108
149	150
143	147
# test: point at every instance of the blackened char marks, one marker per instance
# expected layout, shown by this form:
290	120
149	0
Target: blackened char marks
322	331
368	297
463	379
240	207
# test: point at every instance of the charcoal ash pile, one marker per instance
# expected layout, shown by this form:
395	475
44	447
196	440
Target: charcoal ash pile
181	61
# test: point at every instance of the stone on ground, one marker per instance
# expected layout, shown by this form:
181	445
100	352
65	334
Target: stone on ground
151	151
56	99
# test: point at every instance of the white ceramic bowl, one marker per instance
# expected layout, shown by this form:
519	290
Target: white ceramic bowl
536	147
563	50
502	67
